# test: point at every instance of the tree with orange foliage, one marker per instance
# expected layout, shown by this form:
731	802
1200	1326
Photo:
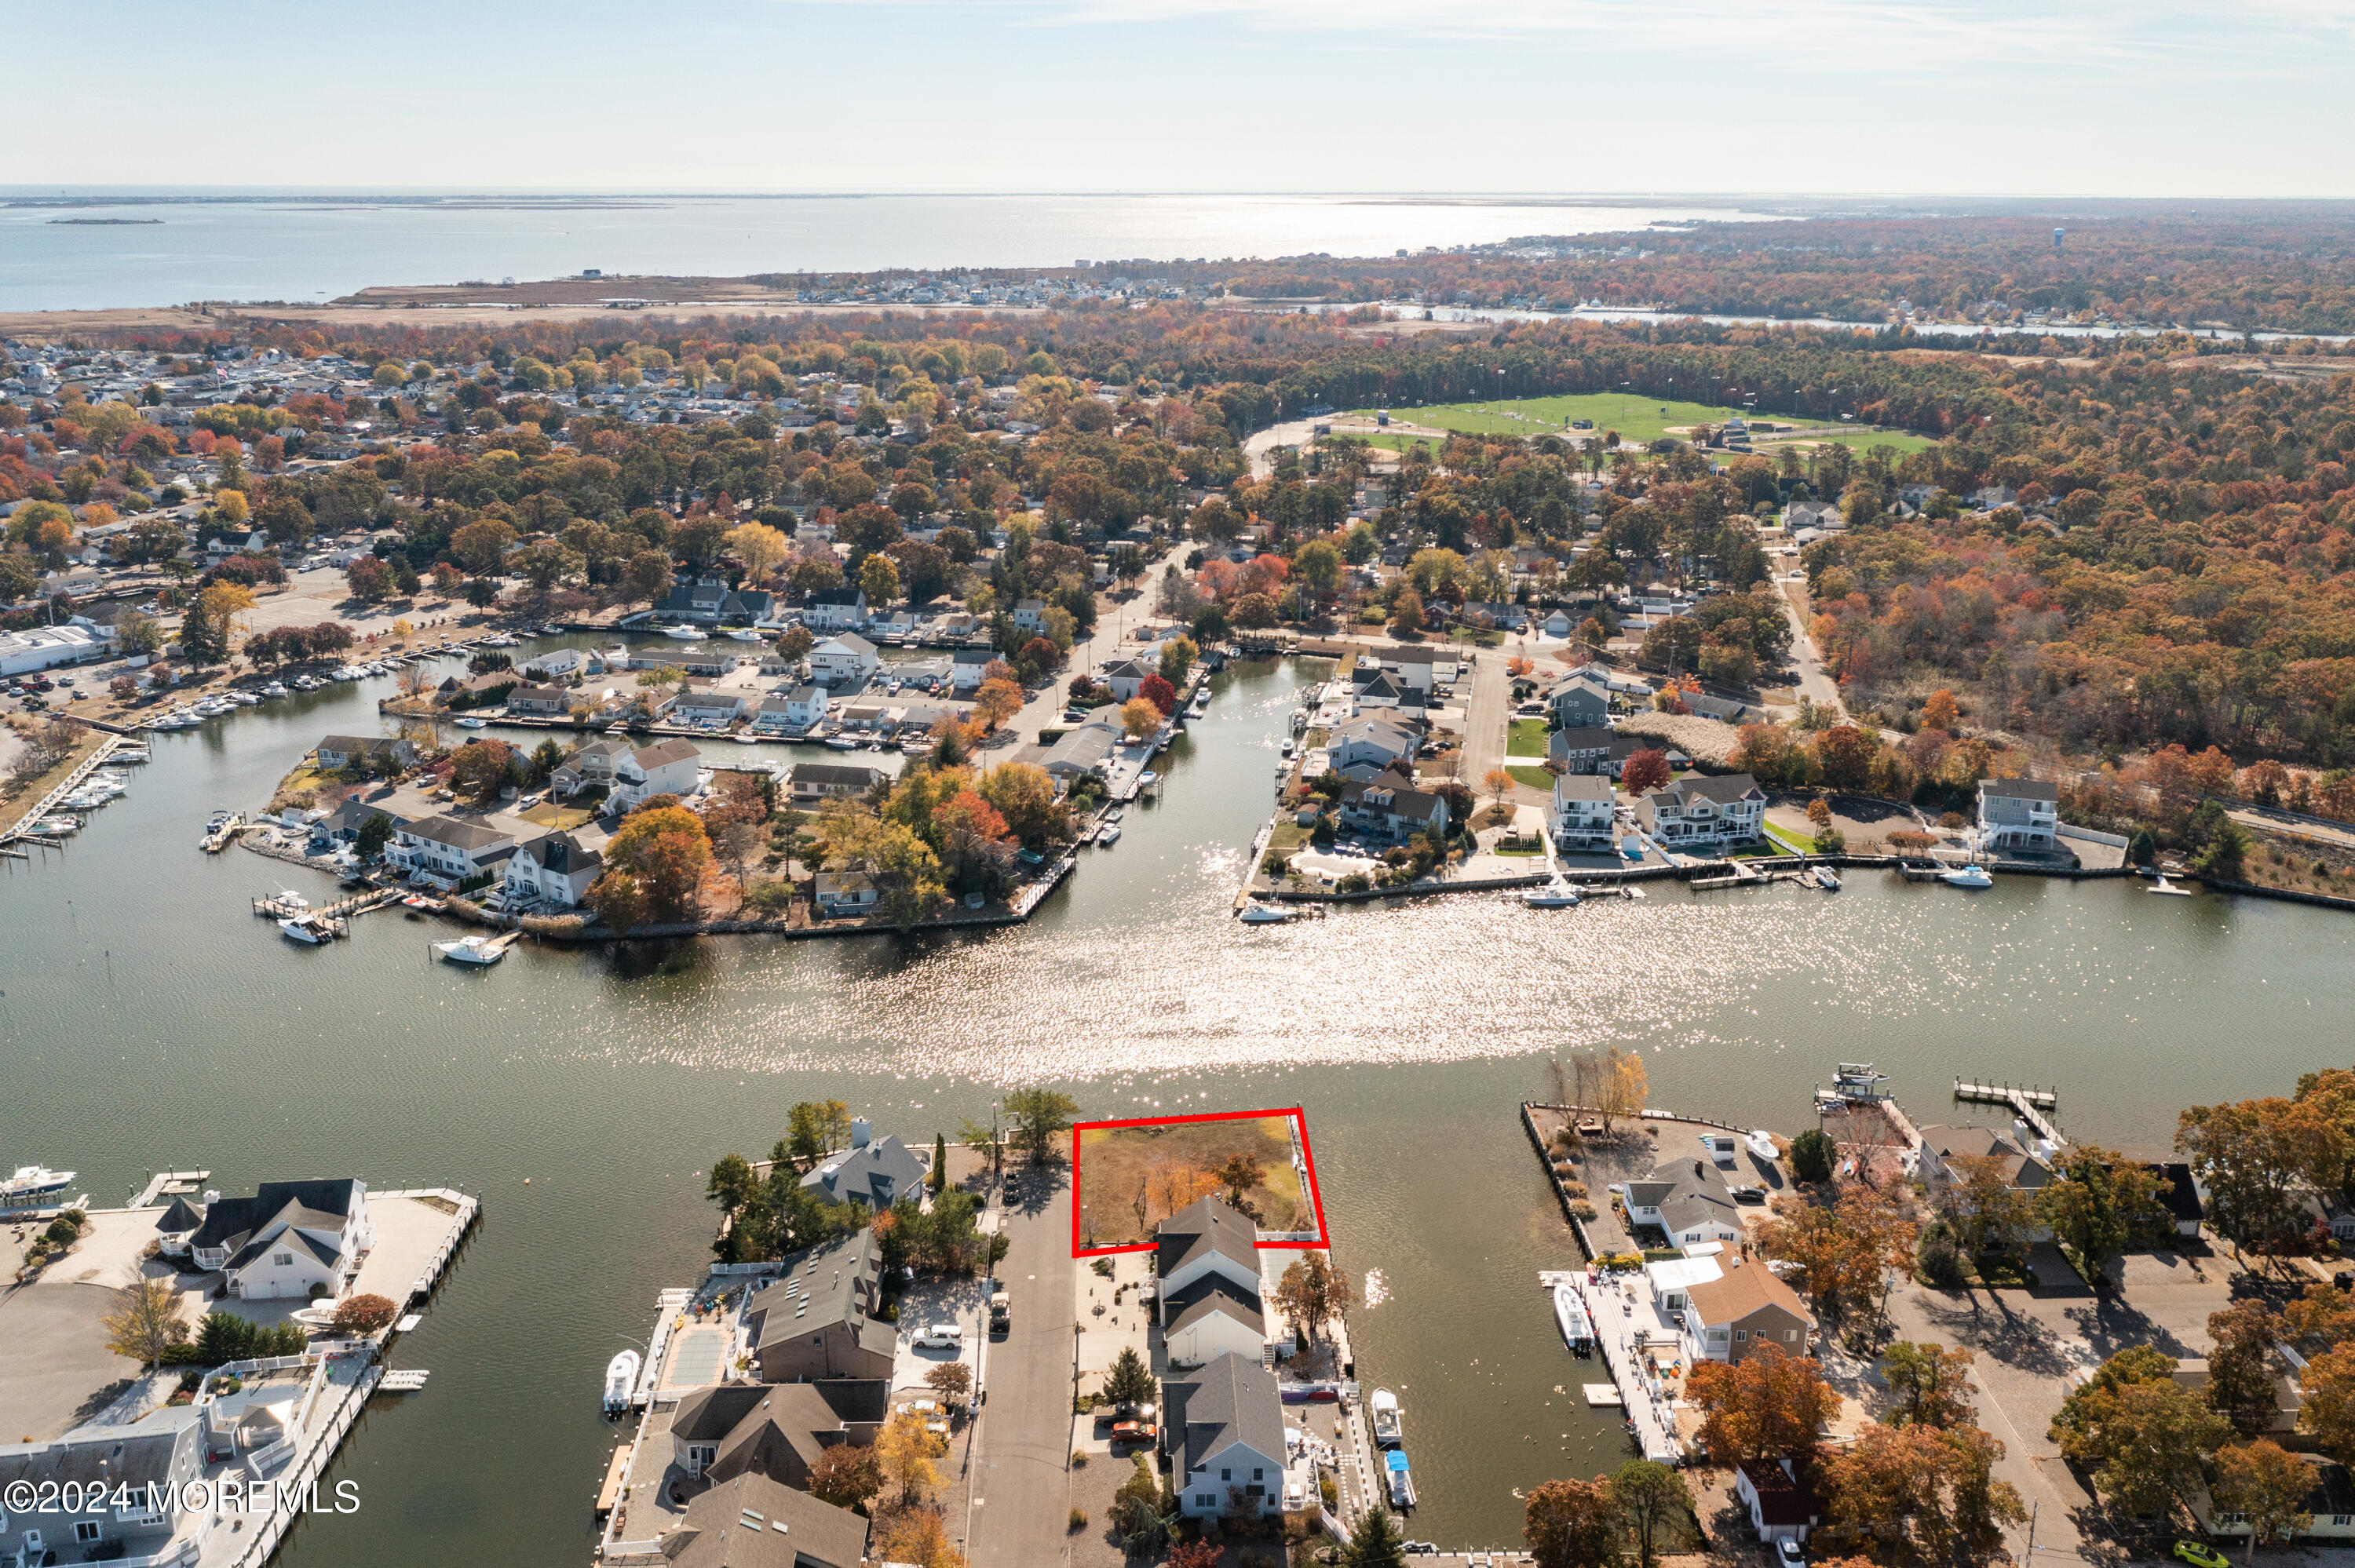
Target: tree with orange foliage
2265	781
666	851
1647	770
1844	756
1766	1406
1939	713
997	702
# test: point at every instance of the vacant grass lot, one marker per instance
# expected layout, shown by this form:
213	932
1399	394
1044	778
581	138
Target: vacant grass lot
1173	1161
1636	419
1527	738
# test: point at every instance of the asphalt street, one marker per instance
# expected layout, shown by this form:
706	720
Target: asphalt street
1022	1444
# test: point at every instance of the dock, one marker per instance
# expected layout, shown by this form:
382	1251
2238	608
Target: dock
408	1380
2029	1104
617	1472
71	783
1625	1332
226	835
1742	876
165	1184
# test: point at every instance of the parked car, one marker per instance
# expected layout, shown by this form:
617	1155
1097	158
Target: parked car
941	1336
2200	1556
1787	1554
1134	1432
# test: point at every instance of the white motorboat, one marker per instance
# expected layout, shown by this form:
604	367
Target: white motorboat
1109	835
745	739
1570	1316
840	743
31	1183
245	699
2162	885
1389	1426
1265	914
686	634
289	899
1555	894
305	683
471	723
1971	875
305	929
473	950
1401	1479
1761	1143
1822	876
744	634
275	689
621	1381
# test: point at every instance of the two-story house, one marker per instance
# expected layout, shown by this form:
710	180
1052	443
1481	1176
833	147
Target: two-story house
1696	813
378	753
1363	747
665	768
447	851
143	1474
1124	677
1388	806
709	601
1028	616
835	609
1581	812
818	1320
1207	1266
779	1430
2019	814
590	767
844	661
1578	702
289	1237
555	868
1225	1428
877	1173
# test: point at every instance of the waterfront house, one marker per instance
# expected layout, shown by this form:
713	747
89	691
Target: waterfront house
1417	669
847	660
1124	677
1373	688
1206	1265
816	781
287	1239
1781	1501
1027	615
709	601
1581	812
752	1521
1372	742
2180	1196
1578	702
818	1320
1086	748
591	765
378	753
665	768
556	664
844	893
2019	814
708	707
542	700
446	850
966	666
1688	1200
556	868
1726	1308
1225	1428
806	706
836	609
2330	1505
1389	806
876	1173
153	1461
2020	1163
1695	813
774	1430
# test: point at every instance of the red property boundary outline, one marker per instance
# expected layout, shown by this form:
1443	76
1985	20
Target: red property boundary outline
1299	1119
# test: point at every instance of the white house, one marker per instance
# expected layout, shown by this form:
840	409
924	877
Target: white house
2019	814
965	667
837	609
557	665
1781	1502
1225	1429
154	1459
792	711
845	893
591	765
1687	1198
665	768
448	849
1028	614
1124	677
847	660
1207	1258
556	868
1581	811
289	1237
709	707
1694	812
1370	742
816	781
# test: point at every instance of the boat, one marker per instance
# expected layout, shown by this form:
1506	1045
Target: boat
621	1381
1822	876
245	699
744	634
472	723
1289	747
305	929
1109	835
2162	885
1761	1143
745	739
1630	850
289	899
275	689
31	1183
473	949
840	743
1555	894
1299	719
1401	1479
1860	1081
685	633
1265	914
1148	778
305	683
1972	875
1384	1408
1570	1316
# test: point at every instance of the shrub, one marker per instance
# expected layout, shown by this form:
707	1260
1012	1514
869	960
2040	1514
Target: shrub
1811	1156
1078	1459
1939	1261
1079	1519
364	1315
1355	882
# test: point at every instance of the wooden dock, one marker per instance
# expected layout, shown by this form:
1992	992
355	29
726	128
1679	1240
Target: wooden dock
408	1380
2028	1102
214	842
166	1183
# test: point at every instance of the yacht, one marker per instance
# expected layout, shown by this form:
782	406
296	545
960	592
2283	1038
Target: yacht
470	722
1822	876
621	1381
683	633
305	929
1384	1408
1972	875
31	1183
1555	894
305	683
840	743
2162	885
1399	1479
473	950
744	634
275	689
1265	914
1109	835
245	699
1570	1316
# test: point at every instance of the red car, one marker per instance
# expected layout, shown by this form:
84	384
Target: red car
1134	1432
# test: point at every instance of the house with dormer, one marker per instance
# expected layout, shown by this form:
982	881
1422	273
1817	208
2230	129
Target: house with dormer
287	1239
1207	1263
1389	806
1698	813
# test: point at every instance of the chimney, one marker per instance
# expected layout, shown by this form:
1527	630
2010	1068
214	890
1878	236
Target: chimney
860	1132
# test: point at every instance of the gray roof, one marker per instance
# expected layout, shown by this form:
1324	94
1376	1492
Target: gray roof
753	1427
849	641
1206	1225
181	1219
128	1455
830	1283
2020	789
361	743
322	1206
457	834
661	752
1214	1293
752	1521
564	854
877	1175
1687	1193
1582	786
1723	791
1230	1400
835	773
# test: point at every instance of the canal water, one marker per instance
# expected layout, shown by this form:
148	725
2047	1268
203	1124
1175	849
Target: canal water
148	1020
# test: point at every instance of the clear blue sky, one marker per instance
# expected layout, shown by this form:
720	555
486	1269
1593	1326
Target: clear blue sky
2100	97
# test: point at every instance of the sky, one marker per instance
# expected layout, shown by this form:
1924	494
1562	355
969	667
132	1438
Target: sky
1999	97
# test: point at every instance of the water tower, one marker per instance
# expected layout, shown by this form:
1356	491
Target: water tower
2056	237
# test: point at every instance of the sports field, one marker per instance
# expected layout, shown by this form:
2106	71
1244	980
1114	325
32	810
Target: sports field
1637	419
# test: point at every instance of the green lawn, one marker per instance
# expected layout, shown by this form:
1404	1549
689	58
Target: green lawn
1865	440
1527	738
1635	419
1535	778
1789	844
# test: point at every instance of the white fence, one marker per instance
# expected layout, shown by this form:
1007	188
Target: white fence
2092	835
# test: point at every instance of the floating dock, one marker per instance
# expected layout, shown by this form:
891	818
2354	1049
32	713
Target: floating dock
2029	1104
170	1183
407	1381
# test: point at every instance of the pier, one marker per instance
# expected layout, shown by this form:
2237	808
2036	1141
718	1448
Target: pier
168	1184
2029	1104
71	783
225	835
1626	1334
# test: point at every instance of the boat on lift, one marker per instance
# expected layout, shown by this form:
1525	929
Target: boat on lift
2165	886
621	1381
473	950
31	1183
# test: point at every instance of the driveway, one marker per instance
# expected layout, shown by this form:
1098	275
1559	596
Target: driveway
1814	683
1021	1445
